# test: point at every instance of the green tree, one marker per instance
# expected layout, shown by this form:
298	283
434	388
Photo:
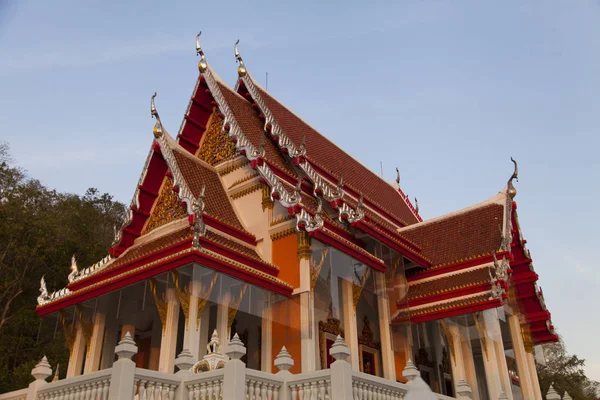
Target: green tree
565	373
40	229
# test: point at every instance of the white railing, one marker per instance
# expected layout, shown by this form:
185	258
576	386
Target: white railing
205	386
124	381
93	386
153	385
365	386
311	385
262	385
17	395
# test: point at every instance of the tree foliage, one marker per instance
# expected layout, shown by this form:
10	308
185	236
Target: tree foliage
565	373
40	229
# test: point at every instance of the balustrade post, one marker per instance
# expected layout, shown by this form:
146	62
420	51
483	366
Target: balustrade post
341	371
234	377
283	362
122	380
463	390
184	361
41	372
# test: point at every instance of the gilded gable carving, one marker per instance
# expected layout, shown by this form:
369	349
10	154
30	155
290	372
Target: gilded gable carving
166	209
216	146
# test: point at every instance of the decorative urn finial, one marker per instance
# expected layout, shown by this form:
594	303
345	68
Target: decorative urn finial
242	68
202	65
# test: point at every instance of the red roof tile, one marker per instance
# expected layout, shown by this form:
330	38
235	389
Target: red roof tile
462	236
330	158
196	173
253	128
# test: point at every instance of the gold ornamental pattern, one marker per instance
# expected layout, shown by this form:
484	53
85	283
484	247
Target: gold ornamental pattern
216	146
167	207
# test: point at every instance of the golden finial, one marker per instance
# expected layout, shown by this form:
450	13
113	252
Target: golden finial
158	131
202	65
512	192
242	68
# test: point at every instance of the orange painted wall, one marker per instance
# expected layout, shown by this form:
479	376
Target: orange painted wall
285	256
286	330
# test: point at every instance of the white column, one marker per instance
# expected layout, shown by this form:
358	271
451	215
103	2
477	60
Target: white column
223	319
307	333
191	334
307	308
537	392
168	344
110	342
204	333
266	354
520	357
383	307
456	355
490	363
76	357
350	328
470	373
92	361
495	349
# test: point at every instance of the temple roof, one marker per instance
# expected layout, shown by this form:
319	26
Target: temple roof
333	163
470	233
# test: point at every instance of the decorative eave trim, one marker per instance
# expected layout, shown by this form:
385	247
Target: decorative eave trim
396	245
453	311
176	256
322	187
330	238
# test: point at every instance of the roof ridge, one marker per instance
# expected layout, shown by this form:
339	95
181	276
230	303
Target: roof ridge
312	160
499	199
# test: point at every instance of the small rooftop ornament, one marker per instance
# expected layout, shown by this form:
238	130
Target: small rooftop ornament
74	270
213	359
511	191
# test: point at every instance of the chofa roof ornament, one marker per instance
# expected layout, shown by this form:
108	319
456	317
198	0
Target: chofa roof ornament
512	192
242	71
158	130
74	270
397	177
202	65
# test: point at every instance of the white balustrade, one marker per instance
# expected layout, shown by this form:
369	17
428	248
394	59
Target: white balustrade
310	386
365	386
205	386
93	386
262	386
17	395
152	385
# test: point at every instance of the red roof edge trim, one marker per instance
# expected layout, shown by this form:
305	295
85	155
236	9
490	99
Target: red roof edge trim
447	295
361	225
111	272
453	267
328	239
194	256
546	339
409	204
228	229
144	197
486	305
239	257
405	242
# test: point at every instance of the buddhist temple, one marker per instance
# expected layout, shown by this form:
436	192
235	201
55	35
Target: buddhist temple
250	224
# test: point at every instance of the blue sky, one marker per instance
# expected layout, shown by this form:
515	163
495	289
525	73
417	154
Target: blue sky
445	90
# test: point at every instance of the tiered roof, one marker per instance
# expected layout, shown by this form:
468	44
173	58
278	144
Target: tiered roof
331	196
